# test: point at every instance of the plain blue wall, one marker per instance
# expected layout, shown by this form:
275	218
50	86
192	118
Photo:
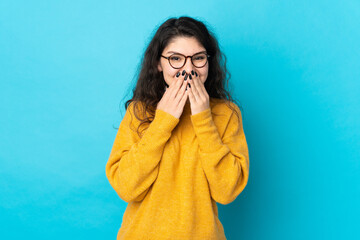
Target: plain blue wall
67	67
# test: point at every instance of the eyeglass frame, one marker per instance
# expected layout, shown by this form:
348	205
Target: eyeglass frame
186	57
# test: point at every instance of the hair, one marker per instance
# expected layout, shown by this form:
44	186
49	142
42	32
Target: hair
150	84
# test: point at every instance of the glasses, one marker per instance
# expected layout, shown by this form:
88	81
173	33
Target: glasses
178	60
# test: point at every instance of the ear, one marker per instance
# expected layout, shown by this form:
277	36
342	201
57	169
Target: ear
159	67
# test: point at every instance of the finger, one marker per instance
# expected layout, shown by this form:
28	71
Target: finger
194	90
176	87
200	86
175	78
184	98
191	94
170	89
181	92
179	85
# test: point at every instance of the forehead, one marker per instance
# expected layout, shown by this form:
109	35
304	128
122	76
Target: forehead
184	45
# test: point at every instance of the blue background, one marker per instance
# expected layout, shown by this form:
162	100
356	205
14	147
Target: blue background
67	67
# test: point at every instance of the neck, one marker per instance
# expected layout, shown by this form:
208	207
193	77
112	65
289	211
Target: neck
187	108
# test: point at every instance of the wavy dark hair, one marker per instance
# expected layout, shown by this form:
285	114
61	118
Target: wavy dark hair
150	84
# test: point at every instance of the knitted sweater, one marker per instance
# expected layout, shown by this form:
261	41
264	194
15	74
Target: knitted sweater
173	175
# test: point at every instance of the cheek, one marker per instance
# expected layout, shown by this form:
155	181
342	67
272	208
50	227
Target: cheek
204	74
170	72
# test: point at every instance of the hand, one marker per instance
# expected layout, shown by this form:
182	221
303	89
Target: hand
175	96
199	98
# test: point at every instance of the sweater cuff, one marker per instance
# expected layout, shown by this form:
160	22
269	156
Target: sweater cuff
165	121
206	131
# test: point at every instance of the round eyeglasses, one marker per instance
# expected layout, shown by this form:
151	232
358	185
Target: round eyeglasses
178	60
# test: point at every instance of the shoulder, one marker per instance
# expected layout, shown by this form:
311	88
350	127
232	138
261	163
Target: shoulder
224	107
133	112
138	115
137	108
134	119
225	113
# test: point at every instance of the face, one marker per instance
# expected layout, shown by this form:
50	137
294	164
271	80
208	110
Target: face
187	46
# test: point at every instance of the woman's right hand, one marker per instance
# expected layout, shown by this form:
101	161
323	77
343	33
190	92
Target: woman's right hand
174	97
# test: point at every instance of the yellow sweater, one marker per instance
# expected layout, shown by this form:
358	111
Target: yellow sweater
175	173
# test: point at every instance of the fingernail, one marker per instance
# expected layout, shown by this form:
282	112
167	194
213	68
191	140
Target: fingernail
190	77
196	74
186	77
183	73
178	74
189	85
192	72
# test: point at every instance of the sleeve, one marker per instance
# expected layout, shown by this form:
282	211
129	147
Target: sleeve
133	163
225	160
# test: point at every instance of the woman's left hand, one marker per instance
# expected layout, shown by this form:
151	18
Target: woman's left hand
199	98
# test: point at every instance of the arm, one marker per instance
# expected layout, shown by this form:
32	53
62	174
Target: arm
225	160
133	164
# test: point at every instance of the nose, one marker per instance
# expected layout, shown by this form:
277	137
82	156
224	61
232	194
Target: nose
188	67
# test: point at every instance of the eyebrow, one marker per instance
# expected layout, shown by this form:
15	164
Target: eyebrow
183	54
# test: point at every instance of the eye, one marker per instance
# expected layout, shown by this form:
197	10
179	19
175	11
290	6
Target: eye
199	57
175	58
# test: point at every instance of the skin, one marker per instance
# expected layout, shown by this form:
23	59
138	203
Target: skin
178	94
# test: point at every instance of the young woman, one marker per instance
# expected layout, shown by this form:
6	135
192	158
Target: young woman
180	147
